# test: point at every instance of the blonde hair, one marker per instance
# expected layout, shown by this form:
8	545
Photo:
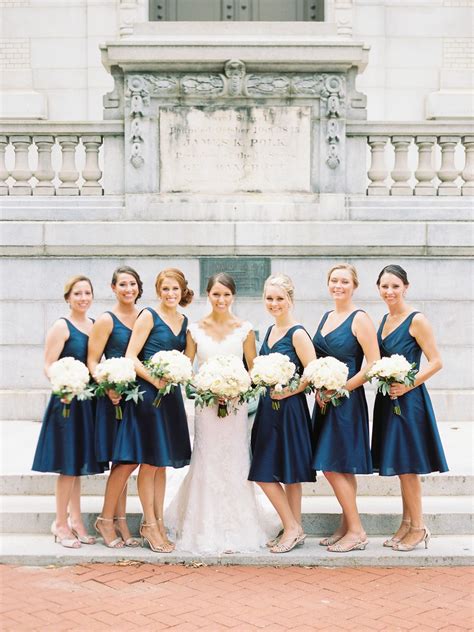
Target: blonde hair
345	266
71	282
283	282
173	273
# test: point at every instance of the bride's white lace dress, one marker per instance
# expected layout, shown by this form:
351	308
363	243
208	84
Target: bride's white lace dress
216	509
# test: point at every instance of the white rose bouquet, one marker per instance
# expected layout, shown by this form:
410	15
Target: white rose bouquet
117	374
172	366
222	380
70	378
394	368
276	371
328	374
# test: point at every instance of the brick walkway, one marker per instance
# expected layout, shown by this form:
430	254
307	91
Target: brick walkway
146	597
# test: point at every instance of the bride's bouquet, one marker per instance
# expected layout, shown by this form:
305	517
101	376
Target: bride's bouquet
117	374
172	366
389	370
70	378
276	371
328	374
222	380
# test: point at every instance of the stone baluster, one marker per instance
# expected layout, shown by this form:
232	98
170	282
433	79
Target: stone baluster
448	172
425	171
468	171
378	172
68	174
401	172
91	172
44	173
3	170
21	172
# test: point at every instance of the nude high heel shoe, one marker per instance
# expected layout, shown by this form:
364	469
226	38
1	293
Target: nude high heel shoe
69	543
394	540
400	546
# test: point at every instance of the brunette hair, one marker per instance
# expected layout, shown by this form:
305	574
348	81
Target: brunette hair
345	266
173	273
282	281
71	282
224	279
131	272
395	269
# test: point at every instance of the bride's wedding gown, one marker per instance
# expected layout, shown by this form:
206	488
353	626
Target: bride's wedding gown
216	509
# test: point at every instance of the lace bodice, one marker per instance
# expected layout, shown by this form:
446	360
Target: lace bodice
207	347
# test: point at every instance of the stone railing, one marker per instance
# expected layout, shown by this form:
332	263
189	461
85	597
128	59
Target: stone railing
428	158
54	158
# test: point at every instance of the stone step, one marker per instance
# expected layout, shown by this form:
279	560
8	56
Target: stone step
444	515
40	550
447	484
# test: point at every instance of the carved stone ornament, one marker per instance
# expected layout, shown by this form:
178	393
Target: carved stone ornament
235	72
138	99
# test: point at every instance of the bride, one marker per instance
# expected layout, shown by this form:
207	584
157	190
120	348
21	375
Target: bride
215	509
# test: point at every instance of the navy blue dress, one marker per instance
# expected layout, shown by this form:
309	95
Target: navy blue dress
281	439
66	445
408	443
156	436
106	425
342	435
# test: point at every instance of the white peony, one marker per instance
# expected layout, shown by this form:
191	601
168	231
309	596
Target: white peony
328	373
70	378
394	368
274	370
173	367
115	371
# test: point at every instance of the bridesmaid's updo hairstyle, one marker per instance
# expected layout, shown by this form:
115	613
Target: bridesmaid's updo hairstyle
398	271
71	282
173	273
224	279
283	282
131	272
345	266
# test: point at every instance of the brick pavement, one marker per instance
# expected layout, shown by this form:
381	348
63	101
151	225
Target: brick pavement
136	596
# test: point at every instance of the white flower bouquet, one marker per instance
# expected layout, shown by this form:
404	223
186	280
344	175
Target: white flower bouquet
222	380
276	371
70	378
389	370
117	374
328	374
173	367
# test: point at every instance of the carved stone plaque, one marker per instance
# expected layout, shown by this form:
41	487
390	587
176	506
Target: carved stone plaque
249	273
242	149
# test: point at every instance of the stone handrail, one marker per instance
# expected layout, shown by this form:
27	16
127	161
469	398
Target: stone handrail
53	157
427	158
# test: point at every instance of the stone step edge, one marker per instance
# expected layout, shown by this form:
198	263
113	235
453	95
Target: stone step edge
33	550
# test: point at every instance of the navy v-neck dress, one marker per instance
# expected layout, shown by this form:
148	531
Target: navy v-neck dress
408	443
342	435
146	434
66	444
281	439
106	425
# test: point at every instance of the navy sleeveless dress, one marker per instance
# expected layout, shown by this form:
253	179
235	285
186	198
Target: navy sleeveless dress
66	445
281	439
342	435
156	436
408	443
106	425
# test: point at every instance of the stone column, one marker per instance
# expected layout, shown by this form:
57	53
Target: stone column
68	174
3	171
448	172
22	172
468	171
401	173
44	173
378	171
91	172
425	171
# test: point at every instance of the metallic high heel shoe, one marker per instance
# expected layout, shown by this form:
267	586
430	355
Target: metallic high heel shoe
329	541
400	546
83	539
274	541
161	548
129	541
394	540
117	543
285	548
68	543
358	545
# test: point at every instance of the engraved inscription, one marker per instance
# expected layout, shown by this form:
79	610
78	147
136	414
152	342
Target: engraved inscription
239	150
249	273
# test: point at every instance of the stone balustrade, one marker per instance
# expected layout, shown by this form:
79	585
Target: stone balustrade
53	158
429	158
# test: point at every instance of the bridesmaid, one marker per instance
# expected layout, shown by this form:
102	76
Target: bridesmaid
408	444
281	439
156	437
110	337
342	447
66	446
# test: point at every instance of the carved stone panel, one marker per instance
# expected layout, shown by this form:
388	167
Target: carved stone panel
249	273
243	149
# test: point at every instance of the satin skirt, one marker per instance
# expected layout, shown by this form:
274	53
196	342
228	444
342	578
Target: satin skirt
66	444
